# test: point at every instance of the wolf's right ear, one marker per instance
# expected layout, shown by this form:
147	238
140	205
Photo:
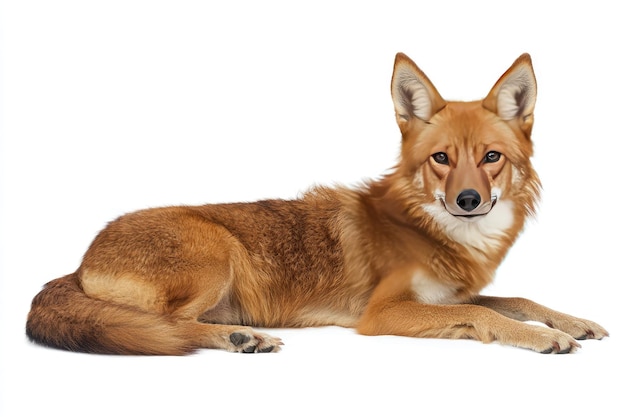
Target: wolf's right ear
412	92
514	94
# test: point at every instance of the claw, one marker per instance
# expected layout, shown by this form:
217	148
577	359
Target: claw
568	350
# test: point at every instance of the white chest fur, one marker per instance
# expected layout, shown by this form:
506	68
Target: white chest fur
480	234
431	291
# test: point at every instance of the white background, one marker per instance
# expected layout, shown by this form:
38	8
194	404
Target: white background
113	106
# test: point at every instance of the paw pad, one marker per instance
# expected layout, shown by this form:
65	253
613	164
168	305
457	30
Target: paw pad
239	339
254	343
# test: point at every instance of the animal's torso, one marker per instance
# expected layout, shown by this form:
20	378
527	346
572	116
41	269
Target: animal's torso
310	261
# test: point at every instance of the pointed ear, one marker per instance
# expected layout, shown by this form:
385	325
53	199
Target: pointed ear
515	93
412	92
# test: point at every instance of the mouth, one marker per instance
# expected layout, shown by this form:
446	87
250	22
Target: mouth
469	216
476	214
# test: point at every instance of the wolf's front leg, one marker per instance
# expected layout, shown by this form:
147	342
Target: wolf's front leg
405	317
394	309
525	310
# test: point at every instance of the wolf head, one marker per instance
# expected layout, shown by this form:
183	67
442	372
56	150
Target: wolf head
467	165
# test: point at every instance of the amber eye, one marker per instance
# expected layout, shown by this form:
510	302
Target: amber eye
492	156
441	158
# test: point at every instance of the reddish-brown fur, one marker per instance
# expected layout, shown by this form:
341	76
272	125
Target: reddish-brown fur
404	255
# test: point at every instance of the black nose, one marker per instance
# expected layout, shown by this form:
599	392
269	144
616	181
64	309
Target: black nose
468	200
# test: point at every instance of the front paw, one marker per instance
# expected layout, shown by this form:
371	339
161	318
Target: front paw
545	340
580	329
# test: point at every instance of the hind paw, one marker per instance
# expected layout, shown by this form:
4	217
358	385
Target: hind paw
249	341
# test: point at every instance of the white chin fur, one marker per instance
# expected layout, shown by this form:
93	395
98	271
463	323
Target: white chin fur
480	232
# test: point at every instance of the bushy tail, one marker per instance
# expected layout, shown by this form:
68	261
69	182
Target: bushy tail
63	316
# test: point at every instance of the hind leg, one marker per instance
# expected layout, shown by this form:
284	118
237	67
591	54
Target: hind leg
207	312
232	338
180	268
210	310
209	319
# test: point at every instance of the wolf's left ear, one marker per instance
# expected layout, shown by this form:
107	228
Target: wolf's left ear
414	96
515	93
